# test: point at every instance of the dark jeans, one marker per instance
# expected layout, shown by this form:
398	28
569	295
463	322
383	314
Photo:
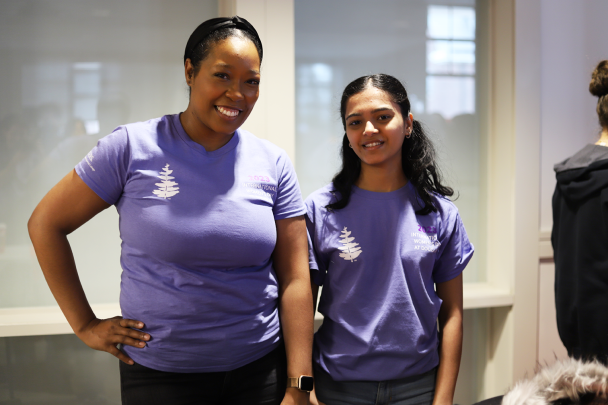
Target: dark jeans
416	390
260	382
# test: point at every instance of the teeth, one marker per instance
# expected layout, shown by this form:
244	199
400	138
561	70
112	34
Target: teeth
369	145
225	111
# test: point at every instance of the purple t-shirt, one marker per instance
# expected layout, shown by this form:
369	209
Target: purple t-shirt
198	230
378	263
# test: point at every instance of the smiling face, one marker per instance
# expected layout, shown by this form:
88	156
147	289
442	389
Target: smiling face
222	92
376	128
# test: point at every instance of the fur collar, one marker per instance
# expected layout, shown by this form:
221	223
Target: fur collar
565	382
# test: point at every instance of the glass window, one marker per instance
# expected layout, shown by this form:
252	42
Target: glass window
428	46
451	22
72	71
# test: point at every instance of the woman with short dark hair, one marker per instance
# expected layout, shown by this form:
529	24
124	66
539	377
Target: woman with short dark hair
215	292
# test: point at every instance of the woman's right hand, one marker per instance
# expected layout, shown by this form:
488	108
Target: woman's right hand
106	334
313	399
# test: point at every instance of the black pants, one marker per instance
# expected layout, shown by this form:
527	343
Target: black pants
260	382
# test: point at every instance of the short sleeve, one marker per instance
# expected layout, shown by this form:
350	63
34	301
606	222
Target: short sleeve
455	250
289	202
318	269
104	168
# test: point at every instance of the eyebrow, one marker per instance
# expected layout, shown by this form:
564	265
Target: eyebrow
374	111
227	66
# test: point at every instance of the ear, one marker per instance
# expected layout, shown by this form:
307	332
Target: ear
410	120
189	72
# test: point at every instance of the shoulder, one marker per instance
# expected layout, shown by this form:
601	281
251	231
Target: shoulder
137	131
253	143
155	126
320	198
445	204
446	209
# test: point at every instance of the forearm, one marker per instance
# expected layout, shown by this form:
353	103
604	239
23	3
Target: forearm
68	205
450	350
58	266
297	324
291	264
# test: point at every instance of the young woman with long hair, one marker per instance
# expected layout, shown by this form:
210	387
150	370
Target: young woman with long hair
389	248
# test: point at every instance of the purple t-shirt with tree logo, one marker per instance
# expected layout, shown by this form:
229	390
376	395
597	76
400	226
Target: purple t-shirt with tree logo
198	231
378	263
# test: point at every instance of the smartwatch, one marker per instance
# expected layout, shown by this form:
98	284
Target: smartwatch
303	383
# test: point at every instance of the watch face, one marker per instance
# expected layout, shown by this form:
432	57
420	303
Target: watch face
306	383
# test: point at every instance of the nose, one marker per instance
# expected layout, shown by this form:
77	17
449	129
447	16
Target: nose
234	92
369	129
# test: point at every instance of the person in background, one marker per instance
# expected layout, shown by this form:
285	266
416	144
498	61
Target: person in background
215	289
580	239
389	248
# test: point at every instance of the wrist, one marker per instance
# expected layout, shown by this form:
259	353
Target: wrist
85	326
302	383
297	394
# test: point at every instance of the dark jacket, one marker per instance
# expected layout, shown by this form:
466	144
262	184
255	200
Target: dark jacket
580	245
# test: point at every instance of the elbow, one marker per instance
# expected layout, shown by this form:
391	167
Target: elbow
38	223
33	224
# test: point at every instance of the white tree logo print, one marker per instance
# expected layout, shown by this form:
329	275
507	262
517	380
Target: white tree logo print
350	250
166	188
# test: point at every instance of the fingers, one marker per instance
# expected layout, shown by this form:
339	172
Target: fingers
129	325
130	341
120	355
107	333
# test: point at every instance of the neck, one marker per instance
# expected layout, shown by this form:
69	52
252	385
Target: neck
603	138
381	179
202	134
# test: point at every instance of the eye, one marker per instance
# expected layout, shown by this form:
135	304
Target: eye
221	75
384	117
255	82
354	123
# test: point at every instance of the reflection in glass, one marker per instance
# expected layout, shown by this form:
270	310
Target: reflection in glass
450	95
450	57
438	68
71	72
451	22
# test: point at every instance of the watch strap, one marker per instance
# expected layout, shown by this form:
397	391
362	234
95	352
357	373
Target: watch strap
293	382
303	383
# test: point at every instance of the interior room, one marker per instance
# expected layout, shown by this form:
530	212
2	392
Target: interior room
501	86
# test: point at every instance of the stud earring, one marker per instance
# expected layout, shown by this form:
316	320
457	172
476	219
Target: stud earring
351	146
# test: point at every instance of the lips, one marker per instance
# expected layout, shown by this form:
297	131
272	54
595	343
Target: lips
228	112
372	144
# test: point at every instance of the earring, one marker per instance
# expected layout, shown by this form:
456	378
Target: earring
351	146
408	133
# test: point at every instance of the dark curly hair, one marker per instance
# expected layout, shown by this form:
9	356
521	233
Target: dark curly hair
417	153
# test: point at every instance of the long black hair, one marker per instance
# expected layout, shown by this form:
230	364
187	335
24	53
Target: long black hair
417	153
